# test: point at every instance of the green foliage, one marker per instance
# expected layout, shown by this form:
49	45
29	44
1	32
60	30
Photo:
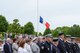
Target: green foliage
35	33
75	30
56	31
3	24
40	34
13	35
47	31
65	30
21	30
14	27
29	28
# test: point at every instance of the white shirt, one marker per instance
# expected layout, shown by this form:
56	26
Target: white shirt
22	50
28	48
1	48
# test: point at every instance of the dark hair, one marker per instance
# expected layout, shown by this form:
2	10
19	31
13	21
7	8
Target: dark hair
28	40
14	39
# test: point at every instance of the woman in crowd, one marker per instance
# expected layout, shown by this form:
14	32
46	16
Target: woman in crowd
15	46
27	46
21	46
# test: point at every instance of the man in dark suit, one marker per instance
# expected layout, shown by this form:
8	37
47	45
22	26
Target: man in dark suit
48	44
61	44
68	44
55	49
8	46
75	46
41	44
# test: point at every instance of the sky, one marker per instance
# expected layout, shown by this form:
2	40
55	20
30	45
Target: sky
57	12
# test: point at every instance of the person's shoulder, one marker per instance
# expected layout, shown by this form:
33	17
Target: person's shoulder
14	44
5	44
46	43
20	48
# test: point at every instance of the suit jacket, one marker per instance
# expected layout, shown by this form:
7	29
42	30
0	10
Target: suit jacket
62	47
41	46
69	47
48	47
55	49
8	48
75	48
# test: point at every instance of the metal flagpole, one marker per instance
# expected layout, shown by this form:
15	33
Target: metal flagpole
37	17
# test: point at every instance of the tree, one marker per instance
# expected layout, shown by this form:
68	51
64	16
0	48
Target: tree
14	27
56	31
3	24
21	30
15	21
47	31
29	28
75	30
65	30
40	34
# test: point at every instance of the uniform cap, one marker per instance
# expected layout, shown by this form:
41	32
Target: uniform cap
73	37
49	35
61	33
68	36
55	39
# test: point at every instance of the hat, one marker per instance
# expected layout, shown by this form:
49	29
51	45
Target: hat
40	36
68	36
55	39
73	37
34	39
49	35
61	33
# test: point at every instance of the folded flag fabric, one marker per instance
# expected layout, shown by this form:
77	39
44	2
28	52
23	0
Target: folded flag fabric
41	20
47	25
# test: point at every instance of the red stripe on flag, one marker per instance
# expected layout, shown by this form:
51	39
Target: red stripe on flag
47	25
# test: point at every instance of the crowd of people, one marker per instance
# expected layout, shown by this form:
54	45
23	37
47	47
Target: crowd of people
41	44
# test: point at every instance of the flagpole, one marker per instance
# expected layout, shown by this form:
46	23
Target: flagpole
37	18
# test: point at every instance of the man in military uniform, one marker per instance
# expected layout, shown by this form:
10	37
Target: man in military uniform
68	44
55	49
48	44
61	44
74	45
41	44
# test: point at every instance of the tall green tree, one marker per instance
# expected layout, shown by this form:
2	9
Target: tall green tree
15	21
21	30
14	27
3	24
47	31
65	30
75	30
56	31
29	28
